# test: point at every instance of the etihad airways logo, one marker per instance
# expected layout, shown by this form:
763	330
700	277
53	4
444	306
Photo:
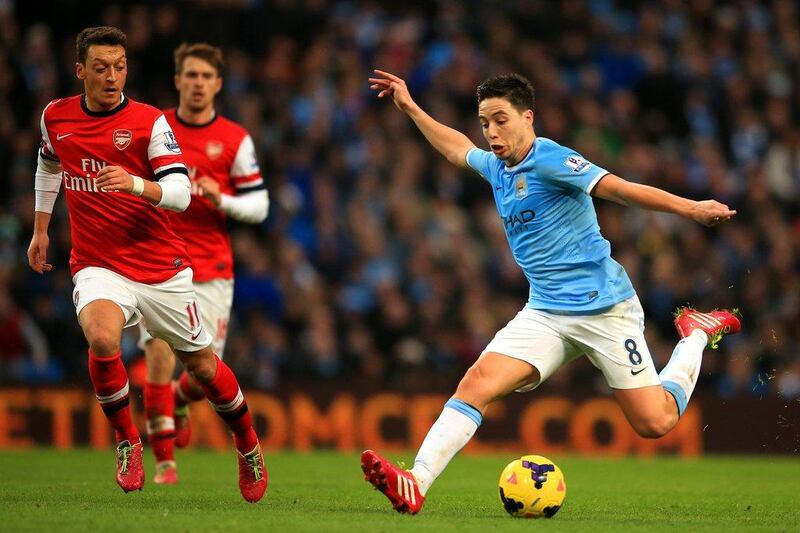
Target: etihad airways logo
518	222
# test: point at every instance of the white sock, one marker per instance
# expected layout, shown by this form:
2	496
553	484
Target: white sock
680	375
451	432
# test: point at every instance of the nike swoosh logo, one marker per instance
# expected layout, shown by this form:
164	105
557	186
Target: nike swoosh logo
194	337
62	136
638	371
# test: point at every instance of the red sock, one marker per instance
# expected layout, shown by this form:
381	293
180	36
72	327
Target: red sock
226	397
160	410
110	381
185	392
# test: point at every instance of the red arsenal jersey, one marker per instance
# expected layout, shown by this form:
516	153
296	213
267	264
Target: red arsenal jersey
223	151
115	230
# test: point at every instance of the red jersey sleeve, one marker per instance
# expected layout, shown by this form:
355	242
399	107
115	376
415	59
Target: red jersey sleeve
46	149
164	152
245	173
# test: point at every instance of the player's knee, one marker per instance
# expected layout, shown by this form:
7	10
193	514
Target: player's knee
653	427
102	341
472	378
474	387
200	365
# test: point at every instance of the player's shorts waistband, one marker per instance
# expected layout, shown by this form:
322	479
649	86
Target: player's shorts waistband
600	311
562	312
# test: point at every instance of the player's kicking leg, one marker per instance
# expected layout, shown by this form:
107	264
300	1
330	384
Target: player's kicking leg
653	411
493	376
159	406
102	322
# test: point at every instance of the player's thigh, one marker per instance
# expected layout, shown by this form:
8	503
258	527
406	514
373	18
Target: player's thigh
534	338
102	322
215	299
614	342
493	376
171	313
103	301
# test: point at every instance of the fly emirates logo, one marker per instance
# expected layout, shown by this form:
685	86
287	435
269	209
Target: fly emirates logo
86	182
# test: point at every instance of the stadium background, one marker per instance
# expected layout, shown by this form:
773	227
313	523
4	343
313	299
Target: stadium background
380	266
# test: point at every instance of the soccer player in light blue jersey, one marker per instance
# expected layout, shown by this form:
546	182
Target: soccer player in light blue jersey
581	300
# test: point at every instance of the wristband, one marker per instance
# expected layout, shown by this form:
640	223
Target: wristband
138	186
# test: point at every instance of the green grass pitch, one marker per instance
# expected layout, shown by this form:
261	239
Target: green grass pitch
46	490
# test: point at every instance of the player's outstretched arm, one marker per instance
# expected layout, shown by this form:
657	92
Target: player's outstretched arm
616	189
451	143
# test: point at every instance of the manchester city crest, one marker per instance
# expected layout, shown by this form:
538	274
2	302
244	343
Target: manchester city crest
521	187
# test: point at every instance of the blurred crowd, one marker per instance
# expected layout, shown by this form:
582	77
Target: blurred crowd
380	261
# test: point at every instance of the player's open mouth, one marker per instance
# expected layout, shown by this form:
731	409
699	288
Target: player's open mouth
497	148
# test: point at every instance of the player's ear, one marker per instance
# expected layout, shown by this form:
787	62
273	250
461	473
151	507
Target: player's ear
218	85
177	80
528	115
80	71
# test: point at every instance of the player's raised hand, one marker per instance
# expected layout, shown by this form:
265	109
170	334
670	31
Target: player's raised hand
113	178
711	212
209	188
37	253
388	84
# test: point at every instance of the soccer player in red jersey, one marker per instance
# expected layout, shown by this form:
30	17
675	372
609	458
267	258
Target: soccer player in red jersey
226	182
122	169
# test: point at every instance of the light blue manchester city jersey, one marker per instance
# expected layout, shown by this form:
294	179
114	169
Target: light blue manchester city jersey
545	206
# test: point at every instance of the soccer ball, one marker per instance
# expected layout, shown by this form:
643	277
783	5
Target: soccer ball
532	487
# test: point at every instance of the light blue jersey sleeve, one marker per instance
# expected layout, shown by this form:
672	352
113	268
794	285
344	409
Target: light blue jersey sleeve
483	163
567	168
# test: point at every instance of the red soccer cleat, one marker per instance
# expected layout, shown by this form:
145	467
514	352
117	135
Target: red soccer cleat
166	473
130	472
252	475
399	486
183	427
715	324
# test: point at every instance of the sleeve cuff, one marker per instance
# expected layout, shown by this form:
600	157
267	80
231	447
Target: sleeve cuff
467	156
601	172
225	202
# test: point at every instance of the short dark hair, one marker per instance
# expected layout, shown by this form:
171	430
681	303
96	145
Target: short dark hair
515	88
204	51
107	35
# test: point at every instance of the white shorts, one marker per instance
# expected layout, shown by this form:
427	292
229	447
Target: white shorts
169	308
214	300
613	341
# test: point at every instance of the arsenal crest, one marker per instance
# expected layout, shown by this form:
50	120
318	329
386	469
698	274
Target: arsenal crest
122	138
214	149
